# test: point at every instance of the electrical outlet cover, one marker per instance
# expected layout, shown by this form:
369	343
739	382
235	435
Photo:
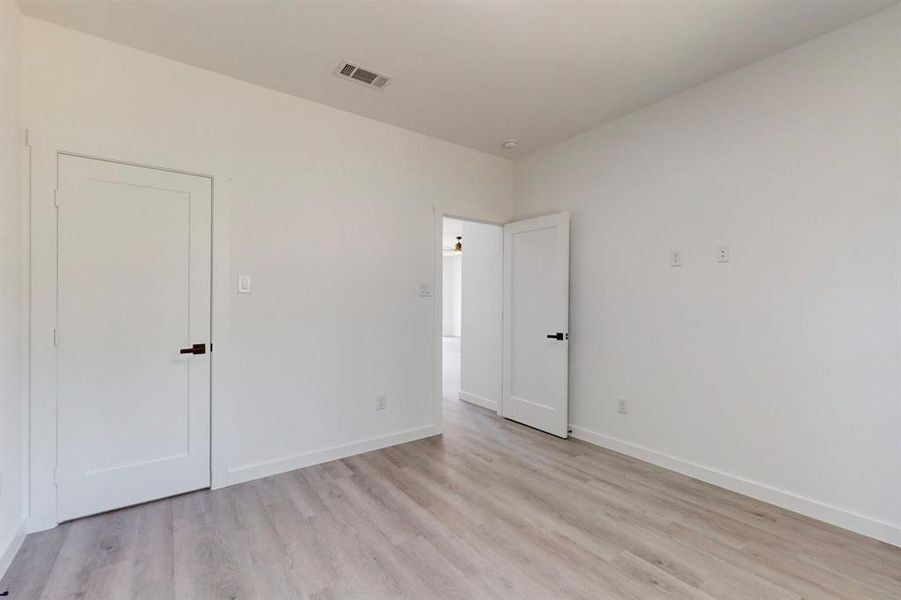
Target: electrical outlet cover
722	254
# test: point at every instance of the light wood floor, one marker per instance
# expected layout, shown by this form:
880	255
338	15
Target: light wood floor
491	509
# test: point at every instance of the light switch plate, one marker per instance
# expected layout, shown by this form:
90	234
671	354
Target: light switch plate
244	284
675	258
425	290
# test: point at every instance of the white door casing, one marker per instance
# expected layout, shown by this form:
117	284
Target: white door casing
536	323
133	285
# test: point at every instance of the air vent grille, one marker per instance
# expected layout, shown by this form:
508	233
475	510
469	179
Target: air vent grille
363	75
360	75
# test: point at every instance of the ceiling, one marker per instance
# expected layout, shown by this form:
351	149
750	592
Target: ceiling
474	73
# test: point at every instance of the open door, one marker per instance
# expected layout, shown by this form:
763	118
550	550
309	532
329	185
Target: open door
536	323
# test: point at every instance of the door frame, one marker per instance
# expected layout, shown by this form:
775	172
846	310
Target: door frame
438	392
41	254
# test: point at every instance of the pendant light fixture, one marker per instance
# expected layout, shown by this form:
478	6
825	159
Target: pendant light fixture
458	247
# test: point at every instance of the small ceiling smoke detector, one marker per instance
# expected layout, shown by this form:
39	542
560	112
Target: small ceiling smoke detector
510	144
358	74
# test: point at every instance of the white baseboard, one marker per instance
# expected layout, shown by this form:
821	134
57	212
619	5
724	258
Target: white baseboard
868	526
308	459
478	400
9	553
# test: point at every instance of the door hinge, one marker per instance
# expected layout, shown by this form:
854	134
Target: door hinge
56	337
55	475
56	198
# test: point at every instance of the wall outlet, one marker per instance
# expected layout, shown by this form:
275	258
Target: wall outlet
622	405
675	258
425	290
245	285
722	254
381	402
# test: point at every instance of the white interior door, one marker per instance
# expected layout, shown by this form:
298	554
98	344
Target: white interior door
536	323
134	254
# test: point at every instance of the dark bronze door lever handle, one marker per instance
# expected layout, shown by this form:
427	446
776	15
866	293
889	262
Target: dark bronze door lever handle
195	349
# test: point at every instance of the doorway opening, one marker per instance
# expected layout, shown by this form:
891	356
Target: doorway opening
472	325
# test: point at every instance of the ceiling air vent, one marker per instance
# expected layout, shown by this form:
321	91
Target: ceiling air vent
360	75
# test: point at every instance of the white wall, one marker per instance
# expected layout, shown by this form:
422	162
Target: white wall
12	407
480	350
333	216
777	373
451	289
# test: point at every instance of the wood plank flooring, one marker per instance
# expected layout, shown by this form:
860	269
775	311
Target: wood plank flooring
491	509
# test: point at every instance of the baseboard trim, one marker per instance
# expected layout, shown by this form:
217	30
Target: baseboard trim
478	400
12	549
308	459
862	524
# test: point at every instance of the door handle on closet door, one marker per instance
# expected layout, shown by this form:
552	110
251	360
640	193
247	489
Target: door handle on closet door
195	349
555	336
